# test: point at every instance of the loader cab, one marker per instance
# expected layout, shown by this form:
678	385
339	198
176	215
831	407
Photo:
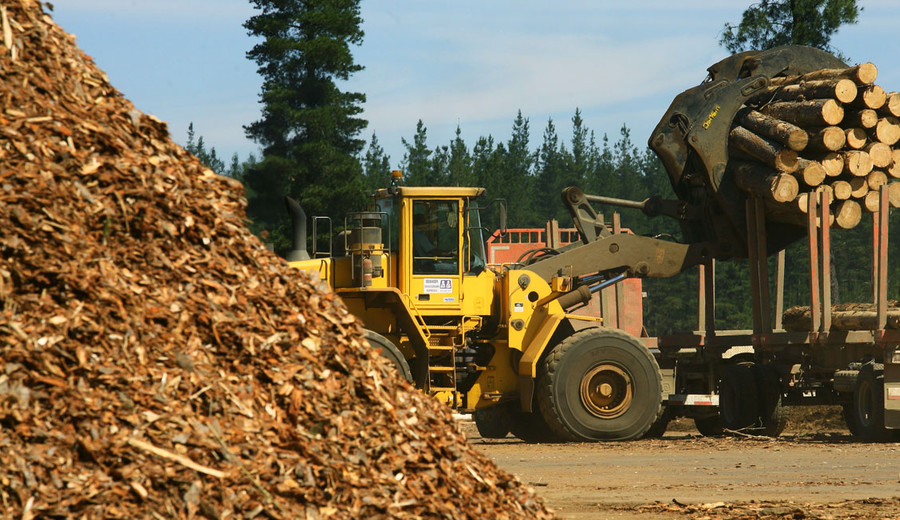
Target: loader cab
438	243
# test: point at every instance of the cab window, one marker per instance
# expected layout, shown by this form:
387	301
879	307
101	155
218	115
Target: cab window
435	237
474	243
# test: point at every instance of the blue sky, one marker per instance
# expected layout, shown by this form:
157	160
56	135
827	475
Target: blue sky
467	63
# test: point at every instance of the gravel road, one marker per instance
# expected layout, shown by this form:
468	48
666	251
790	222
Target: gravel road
812	471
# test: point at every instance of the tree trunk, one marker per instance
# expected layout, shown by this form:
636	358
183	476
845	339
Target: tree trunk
833	163
859	187
894	169
891	106
872	97
857	163
876	179
810	173
870	203
863	74
856	138
894	194
841	190
814	113
800	319
866	118
827	139
880	153
841	89
785	133
764	183
847	214
887	130
770	154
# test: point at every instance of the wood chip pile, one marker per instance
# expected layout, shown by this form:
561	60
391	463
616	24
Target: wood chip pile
157	362
831	130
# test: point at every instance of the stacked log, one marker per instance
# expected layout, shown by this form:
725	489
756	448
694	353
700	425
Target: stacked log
845	316
831	130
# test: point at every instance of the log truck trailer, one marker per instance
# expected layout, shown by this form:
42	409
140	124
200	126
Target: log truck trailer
505	344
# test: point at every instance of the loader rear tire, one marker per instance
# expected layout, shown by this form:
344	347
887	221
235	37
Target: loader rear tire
599	385
494	422
532	428
658	428
391	352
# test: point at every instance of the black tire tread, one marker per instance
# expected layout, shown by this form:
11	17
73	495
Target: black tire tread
391	352
550	367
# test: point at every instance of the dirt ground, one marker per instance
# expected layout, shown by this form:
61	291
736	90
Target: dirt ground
813	471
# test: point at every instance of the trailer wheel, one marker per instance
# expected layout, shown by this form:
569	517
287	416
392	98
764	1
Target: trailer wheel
738	399
847	414
494	422
599	384
772	412
867	412
387	349
709	425
532	428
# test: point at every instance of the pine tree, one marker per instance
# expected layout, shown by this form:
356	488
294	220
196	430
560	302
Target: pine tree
550	168
309	128
516	175
460	162
376	166
771	23
416	164
198	149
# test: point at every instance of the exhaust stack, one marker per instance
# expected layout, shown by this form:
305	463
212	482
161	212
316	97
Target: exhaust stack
298	231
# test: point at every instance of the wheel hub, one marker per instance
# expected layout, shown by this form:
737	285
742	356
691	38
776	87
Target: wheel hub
606	391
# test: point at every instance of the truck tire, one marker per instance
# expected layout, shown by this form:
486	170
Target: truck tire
709	425
867	412
494	422
391	352
738	397
773	414
599	385
847	414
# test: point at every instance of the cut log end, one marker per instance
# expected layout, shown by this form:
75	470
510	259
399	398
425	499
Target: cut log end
847	214
857	163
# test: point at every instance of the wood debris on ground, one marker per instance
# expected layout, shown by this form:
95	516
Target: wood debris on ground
157	361
864	509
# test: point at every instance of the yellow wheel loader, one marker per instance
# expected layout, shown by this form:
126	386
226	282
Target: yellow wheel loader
497	341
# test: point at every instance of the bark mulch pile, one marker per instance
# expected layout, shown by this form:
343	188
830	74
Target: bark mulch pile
157	362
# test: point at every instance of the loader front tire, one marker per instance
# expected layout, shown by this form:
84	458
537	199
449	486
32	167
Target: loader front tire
599	385
391	352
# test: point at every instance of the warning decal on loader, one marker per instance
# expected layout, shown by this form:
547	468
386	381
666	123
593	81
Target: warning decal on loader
438	285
